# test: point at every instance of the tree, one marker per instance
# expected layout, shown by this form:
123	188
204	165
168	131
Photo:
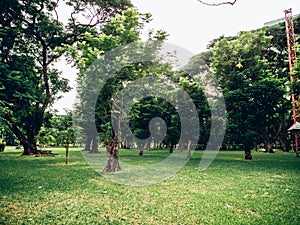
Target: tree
57	129
194	85
146	110
31	32
121	30
254	87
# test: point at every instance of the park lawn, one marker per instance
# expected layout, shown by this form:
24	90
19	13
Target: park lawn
43	190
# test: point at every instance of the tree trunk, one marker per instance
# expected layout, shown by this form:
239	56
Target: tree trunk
29	146
88	142
255	146
189	149
141	148
283	145
95	145
26	150
248	155
270	147
148	145
67	153
171	147
32	142
112	156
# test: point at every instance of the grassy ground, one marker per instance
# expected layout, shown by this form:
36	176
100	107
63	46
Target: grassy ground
231	191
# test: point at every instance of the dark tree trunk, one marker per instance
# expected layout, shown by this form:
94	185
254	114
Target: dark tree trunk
28	145
26	150
32	142
248	155
141	148
171	148
161	145
67	153
112	156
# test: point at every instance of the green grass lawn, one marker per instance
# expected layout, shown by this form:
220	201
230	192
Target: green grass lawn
43	190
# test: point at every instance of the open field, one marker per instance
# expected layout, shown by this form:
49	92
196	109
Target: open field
43	190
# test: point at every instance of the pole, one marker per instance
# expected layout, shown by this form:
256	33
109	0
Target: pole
291	44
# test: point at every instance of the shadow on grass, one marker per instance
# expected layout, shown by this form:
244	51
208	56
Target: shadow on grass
29	174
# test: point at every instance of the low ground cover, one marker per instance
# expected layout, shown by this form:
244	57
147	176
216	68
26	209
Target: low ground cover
43	190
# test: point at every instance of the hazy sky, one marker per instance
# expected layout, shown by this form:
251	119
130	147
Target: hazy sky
192	25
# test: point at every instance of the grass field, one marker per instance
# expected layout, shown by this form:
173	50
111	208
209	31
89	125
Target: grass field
43	190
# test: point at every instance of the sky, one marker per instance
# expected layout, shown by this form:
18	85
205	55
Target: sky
192	25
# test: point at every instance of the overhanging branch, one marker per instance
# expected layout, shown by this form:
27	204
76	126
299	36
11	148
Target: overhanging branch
217	4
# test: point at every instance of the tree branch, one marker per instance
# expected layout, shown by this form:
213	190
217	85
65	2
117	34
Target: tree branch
217	4
56	13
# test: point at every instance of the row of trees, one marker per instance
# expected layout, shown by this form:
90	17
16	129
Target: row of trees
251	68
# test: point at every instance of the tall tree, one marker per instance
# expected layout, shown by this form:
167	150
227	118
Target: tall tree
254	87
121	30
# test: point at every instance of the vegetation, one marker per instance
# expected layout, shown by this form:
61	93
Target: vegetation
251	69
31	32
253	73
230	191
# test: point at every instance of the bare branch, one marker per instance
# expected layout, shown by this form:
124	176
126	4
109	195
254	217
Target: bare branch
217	4
55	10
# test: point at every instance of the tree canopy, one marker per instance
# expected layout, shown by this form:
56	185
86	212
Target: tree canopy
31	32
253	72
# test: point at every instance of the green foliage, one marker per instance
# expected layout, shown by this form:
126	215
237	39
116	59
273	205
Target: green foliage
149	108
32	37
57	130
252	73
121	30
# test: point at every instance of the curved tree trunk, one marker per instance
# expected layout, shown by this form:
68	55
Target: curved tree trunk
112	156
29	145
